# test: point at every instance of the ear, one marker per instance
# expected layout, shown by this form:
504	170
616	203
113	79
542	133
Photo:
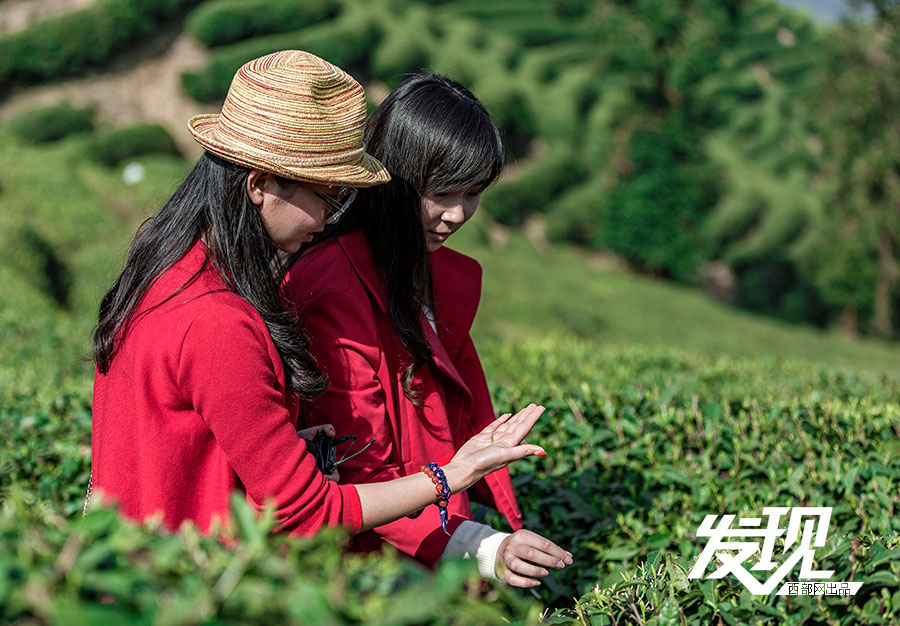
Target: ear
256	186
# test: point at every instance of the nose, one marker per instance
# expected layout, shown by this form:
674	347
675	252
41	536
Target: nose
453	214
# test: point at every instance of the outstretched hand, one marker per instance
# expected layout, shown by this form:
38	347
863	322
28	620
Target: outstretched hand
498	445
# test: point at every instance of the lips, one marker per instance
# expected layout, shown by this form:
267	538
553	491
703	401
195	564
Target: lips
439	236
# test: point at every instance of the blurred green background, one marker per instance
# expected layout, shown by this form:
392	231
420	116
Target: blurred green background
699	223
741	148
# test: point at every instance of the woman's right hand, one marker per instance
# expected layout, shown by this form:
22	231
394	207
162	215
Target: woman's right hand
493	448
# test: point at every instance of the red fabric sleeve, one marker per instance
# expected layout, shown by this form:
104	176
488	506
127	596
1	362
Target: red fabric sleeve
226	364
344	337
496	488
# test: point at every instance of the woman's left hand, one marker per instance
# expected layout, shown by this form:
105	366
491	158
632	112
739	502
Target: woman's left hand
524	556
310	433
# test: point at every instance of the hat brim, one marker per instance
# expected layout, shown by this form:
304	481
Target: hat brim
366	171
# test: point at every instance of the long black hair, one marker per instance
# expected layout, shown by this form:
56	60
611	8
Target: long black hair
212	202
433	136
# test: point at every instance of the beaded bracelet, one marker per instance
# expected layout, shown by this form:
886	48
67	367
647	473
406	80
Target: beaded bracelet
436	474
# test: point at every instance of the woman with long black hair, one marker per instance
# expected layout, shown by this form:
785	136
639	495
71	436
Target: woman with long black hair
388	311
200	371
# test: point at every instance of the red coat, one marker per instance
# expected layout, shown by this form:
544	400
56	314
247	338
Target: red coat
335	290
194	406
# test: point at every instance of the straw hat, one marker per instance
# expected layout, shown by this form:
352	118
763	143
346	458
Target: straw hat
295	115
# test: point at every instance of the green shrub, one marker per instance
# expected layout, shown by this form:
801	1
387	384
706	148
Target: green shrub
642	445
344	41
117	145
510	202
578	214
655	211
659	592
563	104
472	53
45	446
403	48
101	570
74	43
51	123
773	285
222	22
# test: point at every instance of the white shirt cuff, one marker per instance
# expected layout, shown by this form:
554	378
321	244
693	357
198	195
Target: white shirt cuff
478	540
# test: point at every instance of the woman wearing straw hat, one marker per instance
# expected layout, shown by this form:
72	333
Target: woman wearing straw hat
200	372
388	311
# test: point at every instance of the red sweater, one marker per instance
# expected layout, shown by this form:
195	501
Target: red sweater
194	406
336	291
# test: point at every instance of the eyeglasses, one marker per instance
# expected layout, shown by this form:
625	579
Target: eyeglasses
337	205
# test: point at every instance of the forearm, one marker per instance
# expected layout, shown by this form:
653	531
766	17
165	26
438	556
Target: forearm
388	501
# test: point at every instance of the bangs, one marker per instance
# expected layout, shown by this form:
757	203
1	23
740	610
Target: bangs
470	159
435	135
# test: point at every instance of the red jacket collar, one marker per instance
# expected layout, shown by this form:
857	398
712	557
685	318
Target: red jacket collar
356	249
455	281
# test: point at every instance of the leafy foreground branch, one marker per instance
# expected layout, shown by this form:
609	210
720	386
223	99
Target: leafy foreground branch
102	570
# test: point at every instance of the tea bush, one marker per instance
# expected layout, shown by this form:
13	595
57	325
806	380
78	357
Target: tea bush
50	123
642	444
227	21
70	44
115	146
344	41
102	570
511	201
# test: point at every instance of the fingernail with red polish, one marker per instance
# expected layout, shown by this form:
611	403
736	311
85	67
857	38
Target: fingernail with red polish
541	453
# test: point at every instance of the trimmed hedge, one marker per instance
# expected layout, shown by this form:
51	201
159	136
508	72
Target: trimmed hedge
227	21
577	216
51	123
656	208
345	42
404	47
74	43
117	145
534	188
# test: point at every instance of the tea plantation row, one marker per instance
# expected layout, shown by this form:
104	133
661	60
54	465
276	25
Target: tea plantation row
642	445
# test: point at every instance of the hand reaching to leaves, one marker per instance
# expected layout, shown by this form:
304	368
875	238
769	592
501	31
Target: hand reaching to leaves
496	446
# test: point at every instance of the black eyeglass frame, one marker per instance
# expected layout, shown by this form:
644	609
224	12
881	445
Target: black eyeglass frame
324	449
